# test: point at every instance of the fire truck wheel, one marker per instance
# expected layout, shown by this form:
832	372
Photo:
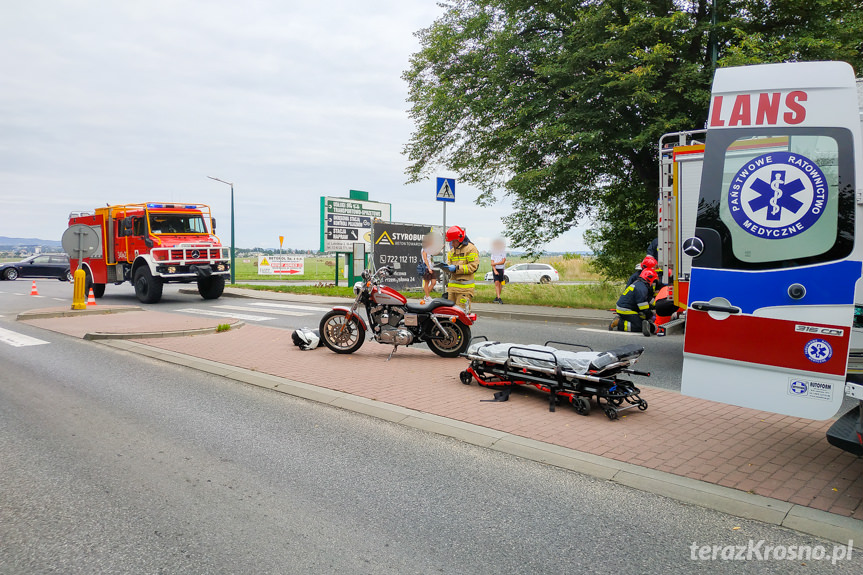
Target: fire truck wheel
98	290
147	288
211	287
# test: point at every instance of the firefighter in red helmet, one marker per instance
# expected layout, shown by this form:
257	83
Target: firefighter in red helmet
462	263
635	306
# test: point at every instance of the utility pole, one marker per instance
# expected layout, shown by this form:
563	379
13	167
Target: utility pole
233	244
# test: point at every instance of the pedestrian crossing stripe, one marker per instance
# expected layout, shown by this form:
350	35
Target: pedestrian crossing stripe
16	339
385	239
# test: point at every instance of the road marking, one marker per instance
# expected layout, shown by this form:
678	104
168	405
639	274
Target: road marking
58	299
615	331
275	311
291	306
242	316
18	339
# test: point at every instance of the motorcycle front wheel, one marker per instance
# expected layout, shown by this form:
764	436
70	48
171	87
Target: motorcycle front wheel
456	338
340	334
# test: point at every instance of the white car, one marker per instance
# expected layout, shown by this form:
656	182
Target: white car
528	273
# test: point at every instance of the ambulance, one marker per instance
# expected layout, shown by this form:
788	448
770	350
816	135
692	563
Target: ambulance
776	246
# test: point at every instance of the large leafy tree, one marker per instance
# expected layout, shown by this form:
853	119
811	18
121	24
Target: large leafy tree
560	103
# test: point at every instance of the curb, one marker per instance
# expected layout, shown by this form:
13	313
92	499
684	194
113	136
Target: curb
101	336
36	314
493	314
724	499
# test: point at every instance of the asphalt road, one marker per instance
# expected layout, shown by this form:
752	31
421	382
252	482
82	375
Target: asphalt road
663	357
110	463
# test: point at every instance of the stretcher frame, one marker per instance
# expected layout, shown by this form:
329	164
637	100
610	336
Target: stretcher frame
612	395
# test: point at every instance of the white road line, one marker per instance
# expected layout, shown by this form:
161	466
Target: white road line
18	339
214	313
291	306
614	332
58	298
275	311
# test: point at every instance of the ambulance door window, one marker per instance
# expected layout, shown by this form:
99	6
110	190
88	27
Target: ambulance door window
783	200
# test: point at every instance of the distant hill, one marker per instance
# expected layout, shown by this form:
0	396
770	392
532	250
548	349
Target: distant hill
15	242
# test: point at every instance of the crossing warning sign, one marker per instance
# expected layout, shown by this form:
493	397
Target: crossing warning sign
445	190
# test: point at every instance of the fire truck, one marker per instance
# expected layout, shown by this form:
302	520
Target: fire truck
152	244
761	229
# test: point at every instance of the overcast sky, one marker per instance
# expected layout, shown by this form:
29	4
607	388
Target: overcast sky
111	102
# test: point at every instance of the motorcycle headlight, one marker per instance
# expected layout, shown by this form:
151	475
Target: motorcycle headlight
358	287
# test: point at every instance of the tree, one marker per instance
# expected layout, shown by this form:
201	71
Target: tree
560	104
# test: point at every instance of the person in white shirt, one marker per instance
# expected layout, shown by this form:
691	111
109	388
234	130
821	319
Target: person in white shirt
498	264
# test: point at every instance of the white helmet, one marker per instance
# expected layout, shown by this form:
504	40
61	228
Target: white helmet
306	338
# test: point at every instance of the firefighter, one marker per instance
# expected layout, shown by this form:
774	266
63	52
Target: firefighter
648	263
463	260
635	306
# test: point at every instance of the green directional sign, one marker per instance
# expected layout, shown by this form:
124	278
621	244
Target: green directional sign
346	221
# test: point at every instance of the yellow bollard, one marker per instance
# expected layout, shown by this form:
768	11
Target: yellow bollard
79	298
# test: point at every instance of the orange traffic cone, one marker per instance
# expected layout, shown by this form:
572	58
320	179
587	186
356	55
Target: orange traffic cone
33	290
91	299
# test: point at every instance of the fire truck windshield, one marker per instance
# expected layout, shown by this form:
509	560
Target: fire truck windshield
162	224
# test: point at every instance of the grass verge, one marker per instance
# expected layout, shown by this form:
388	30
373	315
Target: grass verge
596	296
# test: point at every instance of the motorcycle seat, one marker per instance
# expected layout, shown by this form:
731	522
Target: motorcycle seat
428	307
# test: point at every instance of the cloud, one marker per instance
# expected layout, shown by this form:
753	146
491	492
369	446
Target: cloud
111	102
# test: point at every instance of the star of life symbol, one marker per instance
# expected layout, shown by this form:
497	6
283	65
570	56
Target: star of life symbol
778	195
818	351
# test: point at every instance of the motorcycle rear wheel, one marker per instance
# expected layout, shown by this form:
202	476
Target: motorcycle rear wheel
340	334
457	338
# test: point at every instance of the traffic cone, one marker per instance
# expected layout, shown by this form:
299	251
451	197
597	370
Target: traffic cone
91	299
33	290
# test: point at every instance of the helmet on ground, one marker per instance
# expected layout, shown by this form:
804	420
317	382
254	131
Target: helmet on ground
649	275
306	338
648	262
456	234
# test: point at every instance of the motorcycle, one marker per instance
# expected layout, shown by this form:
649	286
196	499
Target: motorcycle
395	321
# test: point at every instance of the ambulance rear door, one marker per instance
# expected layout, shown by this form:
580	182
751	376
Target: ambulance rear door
771	295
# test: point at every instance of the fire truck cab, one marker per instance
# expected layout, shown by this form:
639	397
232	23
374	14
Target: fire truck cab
152	244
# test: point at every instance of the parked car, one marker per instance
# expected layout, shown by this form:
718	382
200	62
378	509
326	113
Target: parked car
528	273
54	266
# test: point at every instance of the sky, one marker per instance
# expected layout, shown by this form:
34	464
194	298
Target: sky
106	102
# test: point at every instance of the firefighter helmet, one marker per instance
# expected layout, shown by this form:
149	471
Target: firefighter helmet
456	235
649	262
649	276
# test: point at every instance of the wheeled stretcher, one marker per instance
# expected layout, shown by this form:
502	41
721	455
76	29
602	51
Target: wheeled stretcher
575	376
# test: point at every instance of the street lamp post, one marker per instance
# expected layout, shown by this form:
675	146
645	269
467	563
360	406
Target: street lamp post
232	226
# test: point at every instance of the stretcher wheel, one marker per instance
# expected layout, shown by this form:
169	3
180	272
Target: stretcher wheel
581	406
611	413
466	377
642	404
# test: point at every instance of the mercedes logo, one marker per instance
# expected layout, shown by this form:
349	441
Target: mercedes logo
693	247
196	254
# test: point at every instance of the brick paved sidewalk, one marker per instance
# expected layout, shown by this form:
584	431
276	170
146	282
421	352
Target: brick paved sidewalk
767	454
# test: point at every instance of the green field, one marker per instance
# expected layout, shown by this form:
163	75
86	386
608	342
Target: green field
323	269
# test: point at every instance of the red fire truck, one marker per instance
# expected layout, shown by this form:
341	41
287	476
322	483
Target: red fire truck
152	244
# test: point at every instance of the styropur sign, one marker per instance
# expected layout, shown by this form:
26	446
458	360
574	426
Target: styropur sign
400	244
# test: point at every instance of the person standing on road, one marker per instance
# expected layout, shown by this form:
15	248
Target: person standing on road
463	261
498	264
635	306
429	275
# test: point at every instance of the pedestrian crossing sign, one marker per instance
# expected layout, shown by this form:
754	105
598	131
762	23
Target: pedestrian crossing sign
445	190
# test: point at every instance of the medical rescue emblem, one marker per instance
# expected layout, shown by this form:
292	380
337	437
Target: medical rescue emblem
778	195
818	351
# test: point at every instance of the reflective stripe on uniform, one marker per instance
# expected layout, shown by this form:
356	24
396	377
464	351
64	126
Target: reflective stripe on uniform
625	311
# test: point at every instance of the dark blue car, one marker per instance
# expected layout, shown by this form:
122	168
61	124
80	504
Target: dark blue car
54	266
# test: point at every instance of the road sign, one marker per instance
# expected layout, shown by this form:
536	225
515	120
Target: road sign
347	221
401	244
80	241
445	190
281	265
